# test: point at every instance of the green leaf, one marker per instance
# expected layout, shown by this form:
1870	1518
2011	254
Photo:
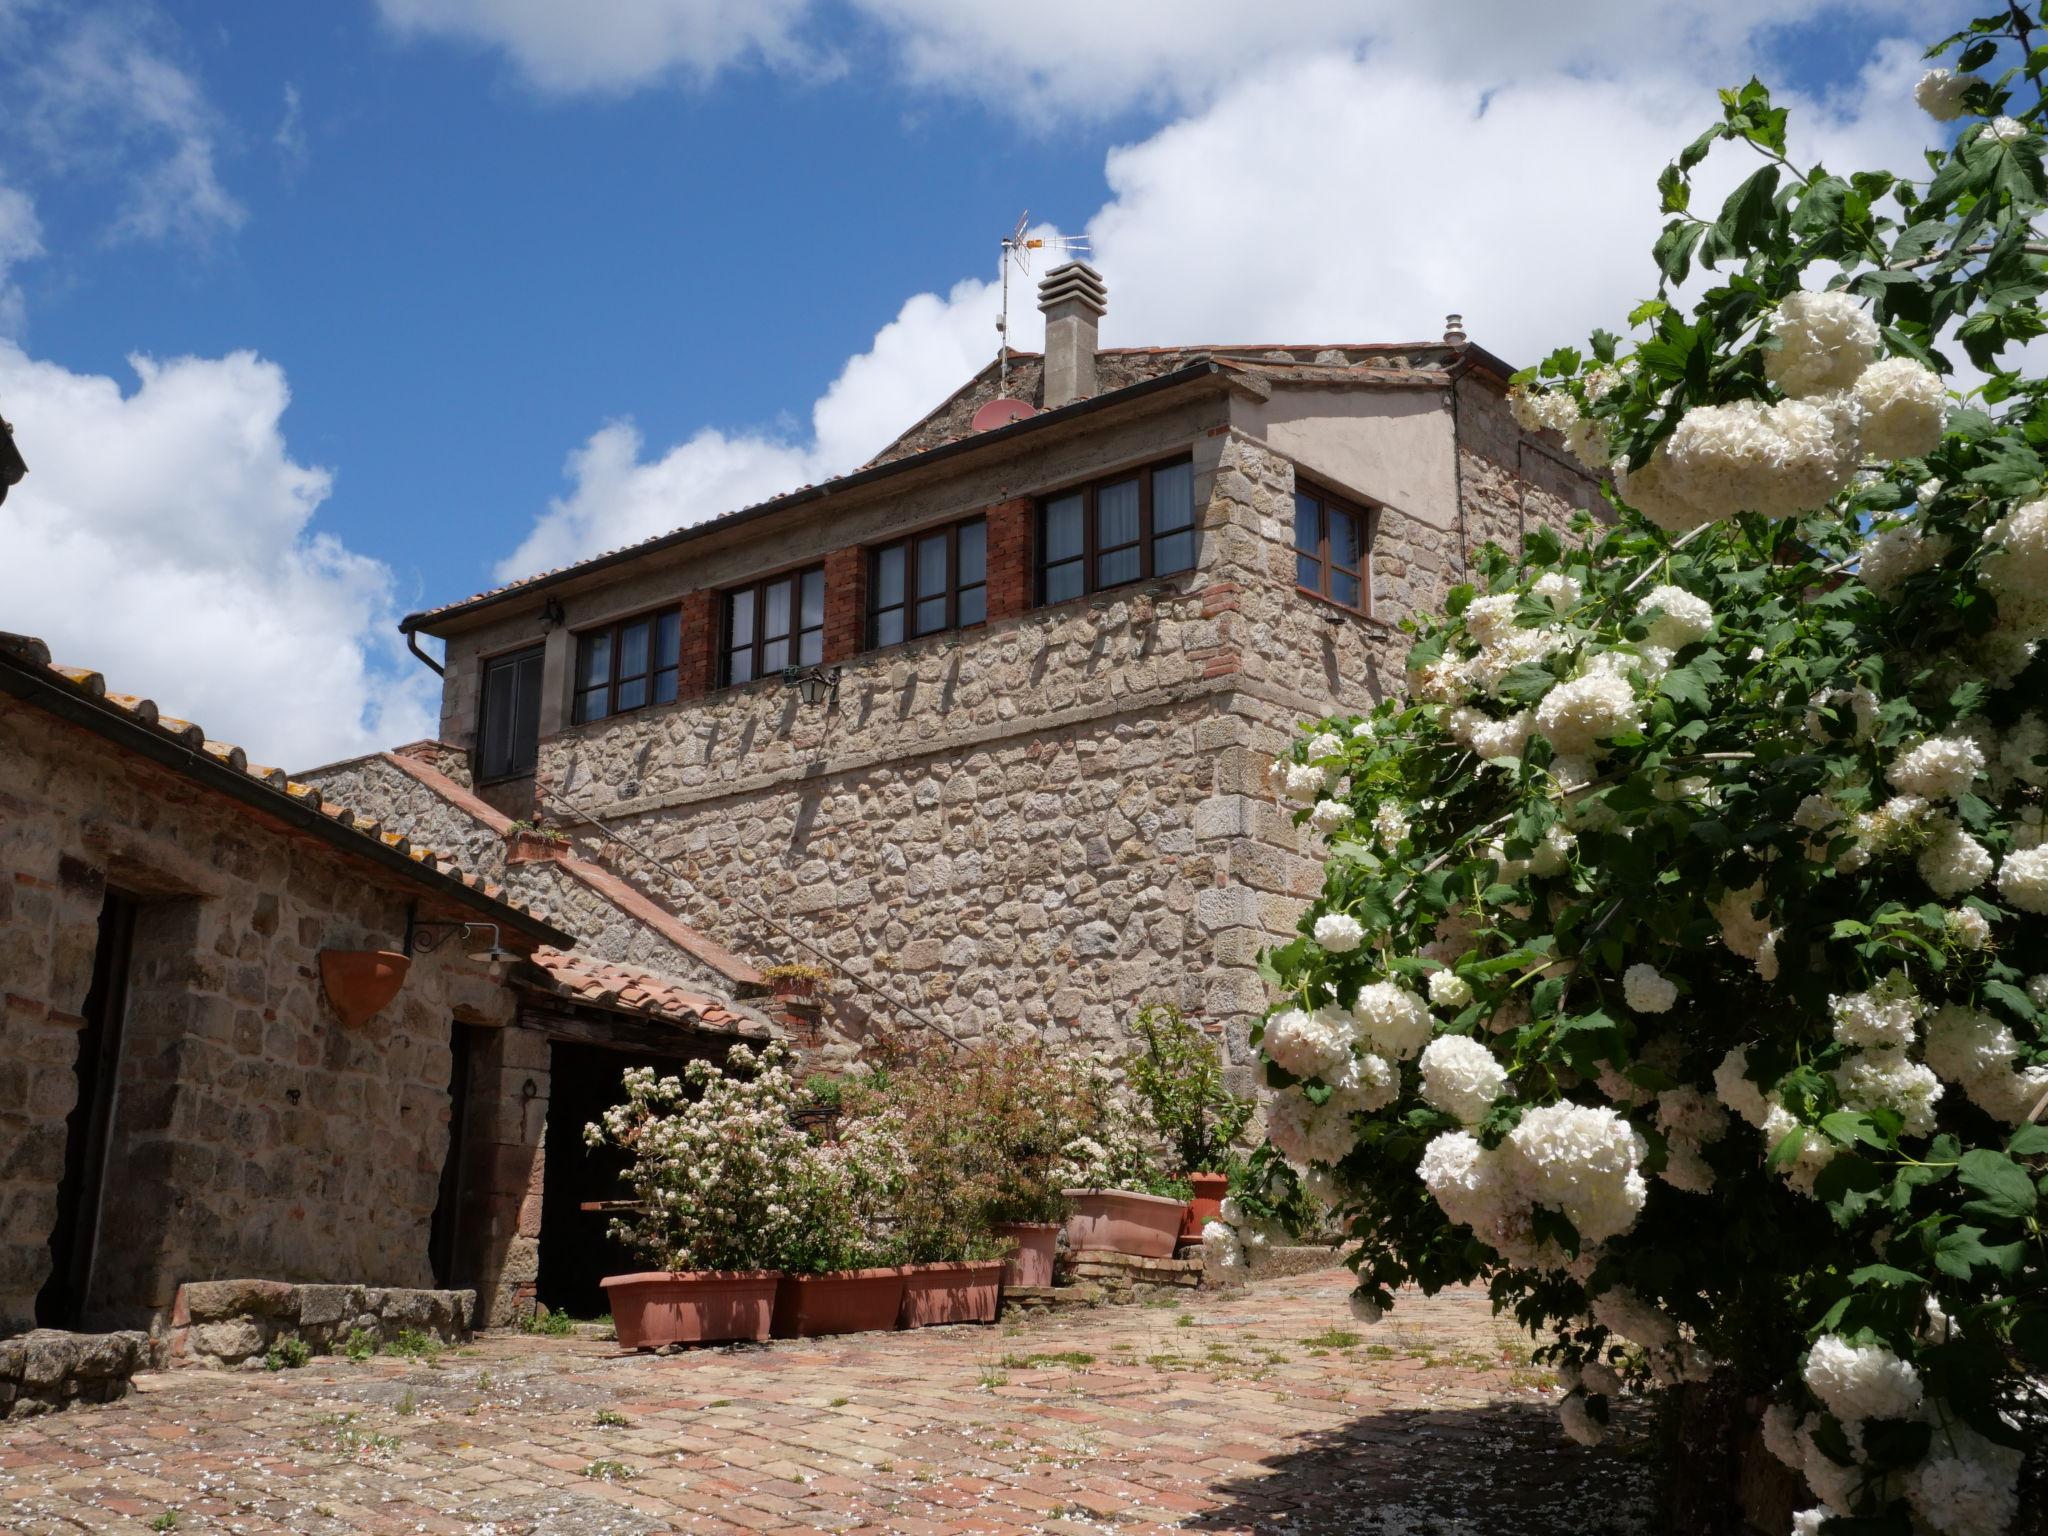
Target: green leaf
2003	1189
1963	1253
2029	1141
1884	1275
1749	211
1674	249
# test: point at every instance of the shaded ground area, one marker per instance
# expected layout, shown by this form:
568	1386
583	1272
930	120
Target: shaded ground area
1265	1412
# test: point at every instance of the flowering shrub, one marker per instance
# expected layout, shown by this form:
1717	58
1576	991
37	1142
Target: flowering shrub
1681	969
723	1180
1178	1073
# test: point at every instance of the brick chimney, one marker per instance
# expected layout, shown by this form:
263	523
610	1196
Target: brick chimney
1073	298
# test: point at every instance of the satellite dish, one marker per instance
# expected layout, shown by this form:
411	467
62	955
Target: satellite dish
1000	412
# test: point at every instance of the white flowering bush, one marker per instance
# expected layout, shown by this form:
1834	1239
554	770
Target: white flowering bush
1693	995
723	1179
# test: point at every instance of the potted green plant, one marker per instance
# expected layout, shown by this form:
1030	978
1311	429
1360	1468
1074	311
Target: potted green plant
1109	1172
845	1271
794	980
721	1183
1178	1072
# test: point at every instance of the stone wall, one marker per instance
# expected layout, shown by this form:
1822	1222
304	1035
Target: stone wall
48	1368
237	1322
253	1132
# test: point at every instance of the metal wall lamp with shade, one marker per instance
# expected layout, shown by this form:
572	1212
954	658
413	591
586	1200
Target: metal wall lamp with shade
814	685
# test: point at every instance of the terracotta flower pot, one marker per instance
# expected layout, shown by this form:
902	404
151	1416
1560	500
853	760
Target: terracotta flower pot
1207	1204
951	1293
360	981
847	1301
1031	1263
1123	1221
661	1307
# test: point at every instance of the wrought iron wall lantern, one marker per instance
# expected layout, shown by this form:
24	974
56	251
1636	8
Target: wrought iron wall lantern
814	685
425	938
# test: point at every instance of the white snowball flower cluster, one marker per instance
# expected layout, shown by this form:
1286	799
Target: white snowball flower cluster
1904	408
1815	1150
1392	1020
1966	1486
2024	752
1363	1082
1577	715
1490	620
1745	933
1940	93
1587	441
1825	340
1861	1381
1487	737
1977	1053
1328	815
1583	1162
1447	989
1898	553
1542	410
1953	861
1461	1077
1309	1044
1558	588
1689	1120
1339	932
1883	1018
2023	879
1648	990
1578	1421
1970	928
1939	768
1300	782
1780	460
1309	1133
1889	1080
2016	569
1622	1312
1680	617
1733	1086
1221	1246
1364	1309
2006	130
1389	825
1466	1181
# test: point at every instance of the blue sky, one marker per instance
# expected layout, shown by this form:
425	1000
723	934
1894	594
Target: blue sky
441	290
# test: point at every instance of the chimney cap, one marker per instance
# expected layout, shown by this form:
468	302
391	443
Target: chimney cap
1454	330
1074	282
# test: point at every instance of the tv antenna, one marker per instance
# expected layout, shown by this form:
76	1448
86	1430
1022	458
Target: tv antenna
1017	249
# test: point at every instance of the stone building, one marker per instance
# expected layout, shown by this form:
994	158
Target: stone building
984	725
201	1108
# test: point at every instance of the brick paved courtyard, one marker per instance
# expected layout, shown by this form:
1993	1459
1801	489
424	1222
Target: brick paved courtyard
1231	1414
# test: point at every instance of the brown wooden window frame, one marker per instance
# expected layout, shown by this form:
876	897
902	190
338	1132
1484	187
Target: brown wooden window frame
1363	516
488	772
614	634
1090	557
754	591
911	600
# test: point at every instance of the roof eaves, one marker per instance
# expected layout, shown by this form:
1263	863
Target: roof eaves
429	619
79	696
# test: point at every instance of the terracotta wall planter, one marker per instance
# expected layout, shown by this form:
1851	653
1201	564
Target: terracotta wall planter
1206	1206
658	1307
1122	1221
360	981
1036	1242
934	1294
849	1301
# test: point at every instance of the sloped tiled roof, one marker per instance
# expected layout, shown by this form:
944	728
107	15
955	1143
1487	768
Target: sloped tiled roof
262	787
1123	372
628	989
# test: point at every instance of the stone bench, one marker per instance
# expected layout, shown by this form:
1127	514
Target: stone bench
48	1368
229	1322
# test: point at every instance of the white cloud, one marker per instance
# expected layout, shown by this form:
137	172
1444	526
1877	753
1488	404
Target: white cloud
162	537
99	97
290	138
1340	197
21	239
566	48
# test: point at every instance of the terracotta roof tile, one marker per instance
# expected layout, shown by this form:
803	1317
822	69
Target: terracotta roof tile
28	650
628	989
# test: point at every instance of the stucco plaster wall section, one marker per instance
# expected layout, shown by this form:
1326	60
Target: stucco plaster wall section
254	1133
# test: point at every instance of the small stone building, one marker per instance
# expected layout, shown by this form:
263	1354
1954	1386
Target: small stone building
983	726
194	1087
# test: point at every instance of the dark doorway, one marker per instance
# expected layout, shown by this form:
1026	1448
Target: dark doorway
577	1249
444	1241
62	1301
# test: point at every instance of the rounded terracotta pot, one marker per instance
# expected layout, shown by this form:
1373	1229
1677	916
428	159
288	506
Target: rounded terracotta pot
1123	1221
1030	1263
1206	1204
660	1307
360	981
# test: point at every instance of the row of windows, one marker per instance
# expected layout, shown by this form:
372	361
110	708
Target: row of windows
1130	527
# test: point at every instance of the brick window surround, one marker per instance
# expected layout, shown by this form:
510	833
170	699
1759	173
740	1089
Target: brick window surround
1126	527
928	582
627	665
767	625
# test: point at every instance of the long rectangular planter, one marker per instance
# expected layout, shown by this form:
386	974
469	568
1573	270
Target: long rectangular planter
935	1294
1123	1221
847	1301
659	1307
